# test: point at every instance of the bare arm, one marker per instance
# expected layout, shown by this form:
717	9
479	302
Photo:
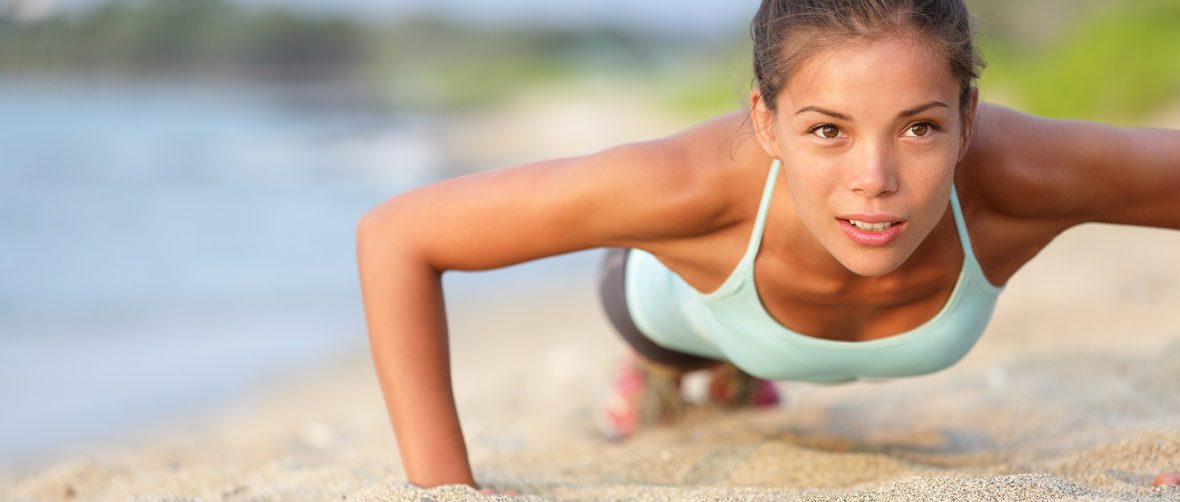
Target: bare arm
1049	175
407	325
626	196
1066	172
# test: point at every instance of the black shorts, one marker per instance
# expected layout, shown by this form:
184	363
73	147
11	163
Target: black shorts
612	292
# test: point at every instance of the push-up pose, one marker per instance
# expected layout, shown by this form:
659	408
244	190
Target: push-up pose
858	220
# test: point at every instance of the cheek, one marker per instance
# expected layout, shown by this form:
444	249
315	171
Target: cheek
813	187
930	207
810	179
927	178
927	173
810	198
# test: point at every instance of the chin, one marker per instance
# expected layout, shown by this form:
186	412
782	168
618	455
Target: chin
871	268
873	263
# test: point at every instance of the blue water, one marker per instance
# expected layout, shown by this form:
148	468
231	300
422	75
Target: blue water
165	247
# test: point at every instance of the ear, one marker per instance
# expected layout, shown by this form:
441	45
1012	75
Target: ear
969	115
763	118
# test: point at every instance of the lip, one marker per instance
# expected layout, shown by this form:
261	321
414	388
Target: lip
870	238
871	218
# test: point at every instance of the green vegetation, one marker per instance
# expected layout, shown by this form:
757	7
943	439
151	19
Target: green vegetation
715	80
153	36
1117	65
433	62
1112	61
423	62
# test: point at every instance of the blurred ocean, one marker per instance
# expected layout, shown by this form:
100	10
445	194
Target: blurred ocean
165	247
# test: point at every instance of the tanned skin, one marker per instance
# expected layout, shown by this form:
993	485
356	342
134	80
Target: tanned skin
691	198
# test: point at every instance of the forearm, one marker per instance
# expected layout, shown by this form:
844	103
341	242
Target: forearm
406	319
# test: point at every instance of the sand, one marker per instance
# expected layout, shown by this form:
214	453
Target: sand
1071	394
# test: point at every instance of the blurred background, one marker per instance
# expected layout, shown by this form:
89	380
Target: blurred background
180	179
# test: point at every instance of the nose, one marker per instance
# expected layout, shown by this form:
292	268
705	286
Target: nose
874	171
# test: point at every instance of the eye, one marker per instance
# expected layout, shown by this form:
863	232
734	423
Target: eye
923	129
826	131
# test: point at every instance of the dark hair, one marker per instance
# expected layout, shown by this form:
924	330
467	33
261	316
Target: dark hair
786	32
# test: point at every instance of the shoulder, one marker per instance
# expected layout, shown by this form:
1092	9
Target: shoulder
1059	173
690	179
1010	163
1026	179
661	193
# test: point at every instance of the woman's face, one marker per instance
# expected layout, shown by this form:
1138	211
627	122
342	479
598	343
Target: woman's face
869	137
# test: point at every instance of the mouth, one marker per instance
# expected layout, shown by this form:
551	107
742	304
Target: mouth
872	227
865	231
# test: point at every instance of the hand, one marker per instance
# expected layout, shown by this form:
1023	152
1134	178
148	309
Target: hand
1167	478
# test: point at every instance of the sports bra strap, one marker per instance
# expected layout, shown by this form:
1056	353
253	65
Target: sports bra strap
763	209
961	224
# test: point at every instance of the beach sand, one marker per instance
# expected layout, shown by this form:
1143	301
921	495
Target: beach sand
1070	394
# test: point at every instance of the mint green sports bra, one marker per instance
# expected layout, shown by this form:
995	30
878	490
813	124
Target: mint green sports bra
731	323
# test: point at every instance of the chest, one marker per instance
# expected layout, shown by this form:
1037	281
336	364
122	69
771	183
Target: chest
810	303
867	310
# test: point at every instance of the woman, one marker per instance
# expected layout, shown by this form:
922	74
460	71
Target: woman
876	204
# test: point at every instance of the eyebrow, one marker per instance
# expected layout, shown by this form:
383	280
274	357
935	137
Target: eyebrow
905	113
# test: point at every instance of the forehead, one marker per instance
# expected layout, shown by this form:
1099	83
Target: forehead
882	75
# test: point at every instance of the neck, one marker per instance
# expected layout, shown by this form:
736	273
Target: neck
789	240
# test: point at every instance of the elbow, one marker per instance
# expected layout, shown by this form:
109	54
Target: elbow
382	223
368	226
369	229
382	236
378	234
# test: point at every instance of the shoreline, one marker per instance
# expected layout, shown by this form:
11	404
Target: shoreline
1025	413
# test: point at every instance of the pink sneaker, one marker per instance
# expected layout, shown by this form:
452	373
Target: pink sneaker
731	387
642	396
